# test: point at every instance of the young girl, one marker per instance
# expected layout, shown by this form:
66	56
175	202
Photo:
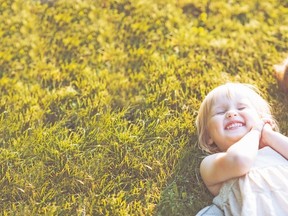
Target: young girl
247	170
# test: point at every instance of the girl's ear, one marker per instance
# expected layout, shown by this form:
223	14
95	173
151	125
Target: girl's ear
209	140
213	148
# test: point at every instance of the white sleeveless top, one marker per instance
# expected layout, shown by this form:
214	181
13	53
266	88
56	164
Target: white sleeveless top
263	191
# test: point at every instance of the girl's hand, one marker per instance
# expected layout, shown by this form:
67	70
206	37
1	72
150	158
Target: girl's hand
259	126
261	123
268	126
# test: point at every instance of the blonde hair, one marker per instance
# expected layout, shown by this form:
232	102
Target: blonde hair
228	90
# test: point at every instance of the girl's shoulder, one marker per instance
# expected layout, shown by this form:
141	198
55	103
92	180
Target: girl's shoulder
269	157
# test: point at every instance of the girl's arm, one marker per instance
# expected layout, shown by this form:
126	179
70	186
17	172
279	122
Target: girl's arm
235	162
275	140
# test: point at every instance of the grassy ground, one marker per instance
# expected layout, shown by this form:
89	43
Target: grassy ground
99	98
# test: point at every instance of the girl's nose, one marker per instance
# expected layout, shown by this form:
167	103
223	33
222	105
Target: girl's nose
231	114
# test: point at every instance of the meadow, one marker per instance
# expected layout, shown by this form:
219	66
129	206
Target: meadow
98	98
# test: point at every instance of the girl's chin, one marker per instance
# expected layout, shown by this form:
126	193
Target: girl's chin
235	139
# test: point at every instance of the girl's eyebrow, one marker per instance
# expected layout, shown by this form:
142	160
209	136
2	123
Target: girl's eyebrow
217	108
220	105
244	101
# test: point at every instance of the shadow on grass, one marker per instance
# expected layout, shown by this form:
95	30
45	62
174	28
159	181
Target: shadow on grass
185	193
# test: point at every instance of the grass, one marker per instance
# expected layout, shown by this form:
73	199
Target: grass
99	98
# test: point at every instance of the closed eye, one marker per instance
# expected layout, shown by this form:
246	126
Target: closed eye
242	108
220	112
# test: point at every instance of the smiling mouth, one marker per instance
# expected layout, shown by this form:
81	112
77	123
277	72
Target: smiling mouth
234	125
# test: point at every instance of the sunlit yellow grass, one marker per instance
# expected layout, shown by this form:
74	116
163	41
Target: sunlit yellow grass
98	98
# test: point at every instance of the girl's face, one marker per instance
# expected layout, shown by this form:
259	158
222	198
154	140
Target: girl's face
230	119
